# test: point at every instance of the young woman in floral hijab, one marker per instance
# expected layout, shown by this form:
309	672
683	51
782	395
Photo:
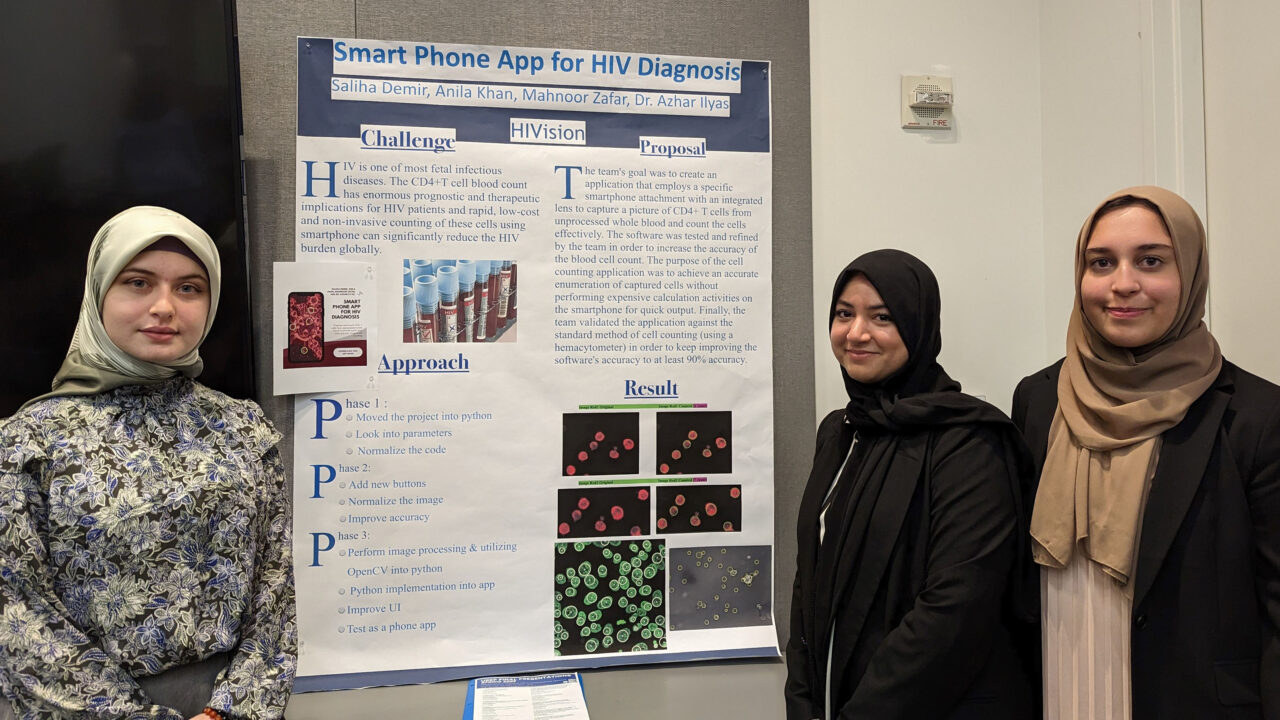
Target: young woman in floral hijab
145	554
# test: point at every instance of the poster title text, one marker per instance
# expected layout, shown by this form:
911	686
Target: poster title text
530	63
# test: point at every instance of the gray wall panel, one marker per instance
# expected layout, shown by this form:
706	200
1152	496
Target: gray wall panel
774	30
268	33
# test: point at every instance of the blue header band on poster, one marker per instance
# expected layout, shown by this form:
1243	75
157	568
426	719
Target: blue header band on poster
745	130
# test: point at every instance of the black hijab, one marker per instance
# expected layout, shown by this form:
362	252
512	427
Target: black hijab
894	421
921	393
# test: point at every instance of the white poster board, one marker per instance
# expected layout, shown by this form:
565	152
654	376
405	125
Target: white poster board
565	458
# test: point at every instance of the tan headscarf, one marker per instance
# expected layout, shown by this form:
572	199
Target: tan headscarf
1113	405
94	363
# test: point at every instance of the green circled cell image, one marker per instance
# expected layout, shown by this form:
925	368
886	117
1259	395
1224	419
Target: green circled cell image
720	587
609	619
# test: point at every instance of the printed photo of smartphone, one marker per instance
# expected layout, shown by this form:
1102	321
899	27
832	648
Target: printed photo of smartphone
306	327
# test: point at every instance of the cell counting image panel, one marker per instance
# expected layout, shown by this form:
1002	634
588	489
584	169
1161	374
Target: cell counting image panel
610	597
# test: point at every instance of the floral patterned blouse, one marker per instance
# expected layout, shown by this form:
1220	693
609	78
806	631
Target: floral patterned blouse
141	529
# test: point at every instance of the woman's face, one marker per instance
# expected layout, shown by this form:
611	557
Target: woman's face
1130	287
864	336
156	307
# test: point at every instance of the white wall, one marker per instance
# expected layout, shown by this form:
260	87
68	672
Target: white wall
1058	104
968	203
1122	102
1241	70
1093	132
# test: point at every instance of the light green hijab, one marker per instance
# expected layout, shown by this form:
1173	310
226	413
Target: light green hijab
94	363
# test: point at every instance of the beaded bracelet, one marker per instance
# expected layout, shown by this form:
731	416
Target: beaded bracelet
213	714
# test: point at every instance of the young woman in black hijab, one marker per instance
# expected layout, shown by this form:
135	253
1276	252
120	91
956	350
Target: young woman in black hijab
911	525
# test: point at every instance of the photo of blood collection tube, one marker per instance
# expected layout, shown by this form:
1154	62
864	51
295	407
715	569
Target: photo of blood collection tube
466	300
426	294
459	300
447	312
410	313
481	291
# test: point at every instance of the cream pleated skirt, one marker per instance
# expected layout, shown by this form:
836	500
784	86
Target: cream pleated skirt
1086	630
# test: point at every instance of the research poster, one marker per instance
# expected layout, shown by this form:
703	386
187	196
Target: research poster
564	455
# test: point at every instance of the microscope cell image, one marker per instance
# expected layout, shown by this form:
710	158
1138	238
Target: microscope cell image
719	587
694	443
600	444
699	508
602	512
610	597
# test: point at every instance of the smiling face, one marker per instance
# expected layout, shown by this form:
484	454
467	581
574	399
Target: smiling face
1131	286
155	309
863	335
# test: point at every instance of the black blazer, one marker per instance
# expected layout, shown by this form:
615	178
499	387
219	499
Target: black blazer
925	638
1206	607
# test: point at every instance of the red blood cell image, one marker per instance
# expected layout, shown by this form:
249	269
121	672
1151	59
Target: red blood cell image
615	512
570	470
306	327
700	502
664	468
662	523
585	445
675	436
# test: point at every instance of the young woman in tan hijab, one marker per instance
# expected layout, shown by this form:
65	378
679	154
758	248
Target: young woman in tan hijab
1156	523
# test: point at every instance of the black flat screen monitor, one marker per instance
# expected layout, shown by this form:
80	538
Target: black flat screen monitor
109	104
